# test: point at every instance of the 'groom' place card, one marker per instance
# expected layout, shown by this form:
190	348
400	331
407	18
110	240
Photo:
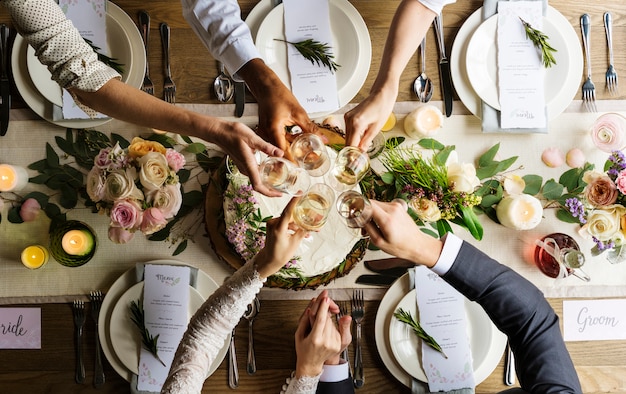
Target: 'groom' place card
594	320
20	328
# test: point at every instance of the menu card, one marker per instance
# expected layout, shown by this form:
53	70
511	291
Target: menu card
166	305
315	86
442	316
520	69
89	17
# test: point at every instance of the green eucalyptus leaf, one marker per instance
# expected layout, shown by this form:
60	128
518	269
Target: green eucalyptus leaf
393	142
195	148
193	198
39	179
163	139
552	190
491	213
487	158
52	159
533	184
388	178
183	175
39	165
14	215
429	232
490	200
180	248
565	216
442	156
186	138
65	146
430	143
69	197
118	139
41	198
572	179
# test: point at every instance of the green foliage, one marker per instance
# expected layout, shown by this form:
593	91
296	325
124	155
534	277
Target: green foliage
316	52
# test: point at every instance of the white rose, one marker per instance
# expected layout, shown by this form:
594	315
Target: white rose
120	184
604	224
426	210
167	199
154	170
95	184
461	176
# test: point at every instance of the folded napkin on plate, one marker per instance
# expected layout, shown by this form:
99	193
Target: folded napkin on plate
441	310
140	274
491	117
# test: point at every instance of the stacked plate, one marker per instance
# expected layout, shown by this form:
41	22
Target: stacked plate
474	63
398	345
119	336
352	46
42	94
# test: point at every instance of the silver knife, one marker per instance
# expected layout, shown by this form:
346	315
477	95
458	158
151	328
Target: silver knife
376	280
240	98
444	67
5	93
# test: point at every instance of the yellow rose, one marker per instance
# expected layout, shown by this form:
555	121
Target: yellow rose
139	147
426	210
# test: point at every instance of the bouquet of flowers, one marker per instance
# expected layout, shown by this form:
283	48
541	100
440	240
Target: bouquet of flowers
137	187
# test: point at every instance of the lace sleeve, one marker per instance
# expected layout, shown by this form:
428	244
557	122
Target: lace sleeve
208	329
301	385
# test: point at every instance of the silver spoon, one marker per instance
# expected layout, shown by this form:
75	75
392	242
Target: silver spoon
423	86
250	314
223	85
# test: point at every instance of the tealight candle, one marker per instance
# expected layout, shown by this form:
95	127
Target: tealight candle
12	178
34	256
519	212
77	242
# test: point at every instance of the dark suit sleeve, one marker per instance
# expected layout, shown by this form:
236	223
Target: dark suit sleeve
342	387
520	311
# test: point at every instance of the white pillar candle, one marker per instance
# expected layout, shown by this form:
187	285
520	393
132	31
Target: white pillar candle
12	178
77	242
519	212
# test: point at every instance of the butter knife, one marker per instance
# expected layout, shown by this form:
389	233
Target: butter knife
240	98
5	93
376	280
444	67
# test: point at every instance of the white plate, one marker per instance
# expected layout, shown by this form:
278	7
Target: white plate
125	336
569	63
480	331
392	297
205	286
352	47
126	45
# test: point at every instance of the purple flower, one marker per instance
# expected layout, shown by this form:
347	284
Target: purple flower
576	208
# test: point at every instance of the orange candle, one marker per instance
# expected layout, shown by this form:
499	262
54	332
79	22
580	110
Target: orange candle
34	256
12	178
77	242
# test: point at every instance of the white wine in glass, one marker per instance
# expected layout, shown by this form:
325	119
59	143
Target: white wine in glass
350	167
355	208
310	152
282	175
311	212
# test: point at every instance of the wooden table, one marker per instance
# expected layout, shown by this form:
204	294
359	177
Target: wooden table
600	365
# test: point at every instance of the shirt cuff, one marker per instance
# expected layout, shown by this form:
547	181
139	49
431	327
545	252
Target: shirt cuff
335	373
451	246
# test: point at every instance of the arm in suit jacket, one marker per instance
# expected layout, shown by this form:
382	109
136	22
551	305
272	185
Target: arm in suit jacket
342	387
520	311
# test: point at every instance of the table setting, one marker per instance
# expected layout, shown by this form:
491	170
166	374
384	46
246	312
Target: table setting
389	354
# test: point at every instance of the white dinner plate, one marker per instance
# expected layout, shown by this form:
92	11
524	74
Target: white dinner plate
41	94
567	71
125	336
352	47
480	331
204	284
384	316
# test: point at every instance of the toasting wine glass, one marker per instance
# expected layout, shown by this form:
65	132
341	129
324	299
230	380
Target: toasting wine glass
284	176
356	210
377	146
309	151
311	212
558	256
349	168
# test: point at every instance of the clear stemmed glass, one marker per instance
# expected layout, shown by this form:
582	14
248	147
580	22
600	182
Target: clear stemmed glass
284	176
349	168
309	151
377	146
355	209
311	212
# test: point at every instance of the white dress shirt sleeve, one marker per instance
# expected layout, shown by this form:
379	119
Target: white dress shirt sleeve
451	246
436	5
335	373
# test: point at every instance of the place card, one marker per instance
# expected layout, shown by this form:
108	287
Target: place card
442	315
520	69
594	320
20	328
166	305
315	86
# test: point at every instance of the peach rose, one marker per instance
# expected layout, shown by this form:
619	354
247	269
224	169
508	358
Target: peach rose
140	147
600	191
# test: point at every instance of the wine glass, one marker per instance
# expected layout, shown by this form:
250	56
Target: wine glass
355	209
349	168
558	255
377	146
309	151
311	212
282	175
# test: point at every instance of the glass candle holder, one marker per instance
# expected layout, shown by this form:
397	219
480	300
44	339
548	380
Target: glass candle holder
73	243
34	256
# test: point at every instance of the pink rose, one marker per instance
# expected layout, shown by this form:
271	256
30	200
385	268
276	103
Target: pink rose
95	184
111	158
153	221
168	199
620	181
175	160
30	210
609	132
119	235
126	214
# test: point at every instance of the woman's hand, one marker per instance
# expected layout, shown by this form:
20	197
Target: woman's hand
365	120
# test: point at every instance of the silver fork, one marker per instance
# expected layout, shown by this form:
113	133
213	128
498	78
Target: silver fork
78	309
611	74
589	89
96	303
343	311
144	24
169	89
357	317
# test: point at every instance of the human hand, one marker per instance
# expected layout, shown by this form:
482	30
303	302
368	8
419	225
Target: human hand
395	232
282	239
318	341
365	120
344	324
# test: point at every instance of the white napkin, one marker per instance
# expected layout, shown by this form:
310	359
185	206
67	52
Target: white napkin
491	118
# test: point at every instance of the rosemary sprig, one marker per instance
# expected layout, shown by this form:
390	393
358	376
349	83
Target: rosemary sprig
406	318
148	341
315	52
109	61
540	40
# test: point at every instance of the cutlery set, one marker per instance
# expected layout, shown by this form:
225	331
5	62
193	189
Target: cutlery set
233	372
80	317
169	88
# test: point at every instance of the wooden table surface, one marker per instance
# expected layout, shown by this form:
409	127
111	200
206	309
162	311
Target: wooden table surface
600	365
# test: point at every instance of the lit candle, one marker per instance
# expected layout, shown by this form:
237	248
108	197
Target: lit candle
34	256
519	212
423	121
12	178
77	242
